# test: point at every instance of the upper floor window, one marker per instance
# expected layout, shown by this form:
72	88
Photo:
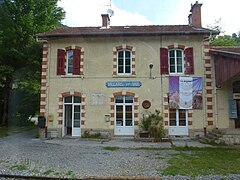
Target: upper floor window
69	62
124	62
177	61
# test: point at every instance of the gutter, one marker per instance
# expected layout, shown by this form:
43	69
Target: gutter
106	34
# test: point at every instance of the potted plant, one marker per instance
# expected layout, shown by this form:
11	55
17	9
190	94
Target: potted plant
152	126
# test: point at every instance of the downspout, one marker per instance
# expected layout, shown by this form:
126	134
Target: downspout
162	99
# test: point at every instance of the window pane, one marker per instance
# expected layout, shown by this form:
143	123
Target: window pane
120	61
182	117
120	54
68	99
119	108
172	117
76	124
127	69
171	54
179	69
179	54
179	61
119	123
173	122
120	69
76	116
127	54
172	61
172	69
128	123
119	99
77	99
127	62
70	61
128	99
76	108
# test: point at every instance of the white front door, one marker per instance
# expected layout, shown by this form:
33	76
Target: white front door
124	115
72	116
178	122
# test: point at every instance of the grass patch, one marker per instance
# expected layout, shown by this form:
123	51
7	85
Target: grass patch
48	172
151	148
204	161
111	148
3	132
6	131
87	134
19	167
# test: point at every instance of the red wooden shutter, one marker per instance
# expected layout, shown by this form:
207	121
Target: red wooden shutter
60	62
189	61
164	60
76	61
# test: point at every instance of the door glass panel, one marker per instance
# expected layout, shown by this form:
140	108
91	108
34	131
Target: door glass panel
76	124
128	115
68	115
182	117
119	99
68	99
77	99
76	116
128	99
172	117
119	115
76	109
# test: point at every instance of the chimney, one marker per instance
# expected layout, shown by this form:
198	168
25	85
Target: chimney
105	21
195	17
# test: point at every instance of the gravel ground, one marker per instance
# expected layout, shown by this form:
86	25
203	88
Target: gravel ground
77	158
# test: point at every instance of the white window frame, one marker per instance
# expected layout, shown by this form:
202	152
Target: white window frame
124	104
73	104
67	62
124	62
175	61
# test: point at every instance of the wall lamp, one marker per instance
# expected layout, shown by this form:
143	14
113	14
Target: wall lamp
150	68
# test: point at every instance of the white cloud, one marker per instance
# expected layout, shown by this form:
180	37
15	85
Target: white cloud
88	13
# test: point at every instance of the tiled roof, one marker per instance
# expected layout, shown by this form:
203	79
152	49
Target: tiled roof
152	30
227	49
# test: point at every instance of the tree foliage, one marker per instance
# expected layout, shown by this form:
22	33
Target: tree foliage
20	20
223	39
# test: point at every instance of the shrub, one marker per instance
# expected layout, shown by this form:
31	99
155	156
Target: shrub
153	124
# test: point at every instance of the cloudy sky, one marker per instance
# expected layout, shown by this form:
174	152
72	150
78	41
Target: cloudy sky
151	12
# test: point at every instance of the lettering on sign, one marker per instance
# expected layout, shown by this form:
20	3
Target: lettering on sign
119	84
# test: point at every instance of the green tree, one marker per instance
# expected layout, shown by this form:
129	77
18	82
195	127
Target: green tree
237	37
20	20
221	39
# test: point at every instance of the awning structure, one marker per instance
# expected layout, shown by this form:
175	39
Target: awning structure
226	62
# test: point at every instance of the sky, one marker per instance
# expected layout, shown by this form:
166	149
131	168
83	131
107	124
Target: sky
151	12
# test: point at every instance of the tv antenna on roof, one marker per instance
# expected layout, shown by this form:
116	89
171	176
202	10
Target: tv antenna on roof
110	12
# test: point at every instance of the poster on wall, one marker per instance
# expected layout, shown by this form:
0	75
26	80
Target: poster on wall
185	92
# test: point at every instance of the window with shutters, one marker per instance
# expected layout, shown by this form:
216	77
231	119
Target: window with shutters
177	61
69	61
124	62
